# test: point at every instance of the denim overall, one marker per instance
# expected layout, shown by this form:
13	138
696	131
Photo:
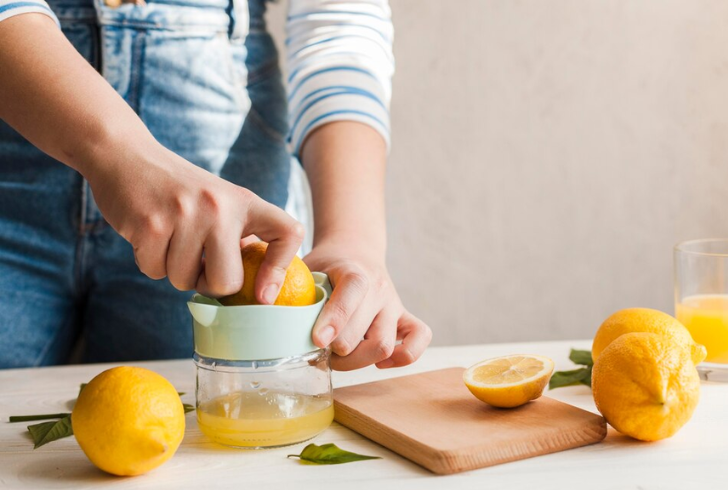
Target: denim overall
206	92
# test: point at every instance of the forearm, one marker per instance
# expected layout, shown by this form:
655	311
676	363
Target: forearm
345	163
56	100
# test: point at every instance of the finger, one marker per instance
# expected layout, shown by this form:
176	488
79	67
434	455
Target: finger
349	292
202	286
415	335
248	240
355	330
284	236
377	346
223	267
184	259
152	261
151	242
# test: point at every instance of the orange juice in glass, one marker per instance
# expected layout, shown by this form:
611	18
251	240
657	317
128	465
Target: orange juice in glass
706	316
701	300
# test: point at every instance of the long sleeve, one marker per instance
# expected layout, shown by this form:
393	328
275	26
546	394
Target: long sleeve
10	8
340	64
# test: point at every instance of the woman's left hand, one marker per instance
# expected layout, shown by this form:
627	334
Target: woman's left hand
364	319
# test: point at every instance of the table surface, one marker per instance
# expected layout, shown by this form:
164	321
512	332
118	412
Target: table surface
696	457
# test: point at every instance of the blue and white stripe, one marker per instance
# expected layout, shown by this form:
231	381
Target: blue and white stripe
10	8
340	64
339	59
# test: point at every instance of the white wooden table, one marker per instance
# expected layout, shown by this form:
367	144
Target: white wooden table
695	458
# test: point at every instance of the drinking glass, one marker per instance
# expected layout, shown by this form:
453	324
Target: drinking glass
701	300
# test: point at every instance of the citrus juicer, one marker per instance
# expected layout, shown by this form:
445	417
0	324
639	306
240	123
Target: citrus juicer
261	381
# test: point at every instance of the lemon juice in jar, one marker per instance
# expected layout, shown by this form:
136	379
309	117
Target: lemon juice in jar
264	418
257	404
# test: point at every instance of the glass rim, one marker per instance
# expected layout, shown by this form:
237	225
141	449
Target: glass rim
683	247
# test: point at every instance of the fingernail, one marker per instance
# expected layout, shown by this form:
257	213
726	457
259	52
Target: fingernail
270	294
326	335
387	363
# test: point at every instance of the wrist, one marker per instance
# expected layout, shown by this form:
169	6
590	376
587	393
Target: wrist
107	145
352	243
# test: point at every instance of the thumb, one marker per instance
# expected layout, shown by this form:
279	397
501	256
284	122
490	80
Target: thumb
284	236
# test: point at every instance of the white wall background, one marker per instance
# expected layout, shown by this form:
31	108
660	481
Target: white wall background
547	155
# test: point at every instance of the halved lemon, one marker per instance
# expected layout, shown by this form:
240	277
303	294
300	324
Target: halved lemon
509	381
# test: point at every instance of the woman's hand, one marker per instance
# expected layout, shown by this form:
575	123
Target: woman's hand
173	213
364	318
345	163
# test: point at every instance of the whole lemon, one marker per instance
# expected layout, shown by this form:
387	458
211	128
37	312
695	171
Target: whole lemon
645	320
298	288
128	420
645	386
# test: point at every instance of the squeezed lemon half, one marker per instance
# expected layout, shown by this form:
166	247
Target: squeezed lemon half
509	381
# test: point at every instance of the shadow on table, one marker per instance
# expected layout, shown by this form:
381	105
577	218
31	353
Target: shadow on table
614	438
65	469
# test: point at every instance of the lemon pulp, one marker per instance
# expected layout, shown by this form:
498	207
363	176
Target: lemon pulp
252	419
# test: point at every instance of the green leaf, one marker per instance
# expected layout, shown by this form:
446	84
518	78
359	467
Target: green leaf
46	432
188	408
583	357
181	393
328	454
570	378
32	418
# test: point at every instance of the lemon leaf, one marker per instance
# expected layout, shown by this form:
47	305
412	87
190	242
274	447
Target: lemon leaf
46	432
581	376
328	454
188	408
583	357
32	418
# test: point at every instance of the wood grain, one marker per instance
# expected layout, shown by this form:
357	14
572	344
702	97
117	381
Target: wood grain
433	420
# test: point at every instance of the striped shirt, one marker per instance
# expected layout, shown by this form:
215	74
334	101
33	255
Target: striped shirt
339	59
9	8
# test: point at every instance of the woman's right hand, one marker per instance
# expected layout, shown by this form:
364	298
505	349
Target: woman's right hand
183	222
187	224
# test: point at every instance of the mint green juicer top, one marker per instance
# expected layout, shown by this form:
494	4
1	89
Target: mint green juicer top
255	332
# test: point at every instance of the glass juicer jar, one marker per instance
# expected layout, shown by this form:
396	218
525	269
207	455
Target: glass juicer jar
261	382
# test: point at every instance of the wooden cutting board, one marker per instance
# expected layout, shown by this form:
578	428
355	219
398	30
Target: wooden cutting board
433	420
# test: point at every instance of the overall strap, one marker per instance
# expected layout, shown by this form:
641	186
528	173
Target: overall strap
240	19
